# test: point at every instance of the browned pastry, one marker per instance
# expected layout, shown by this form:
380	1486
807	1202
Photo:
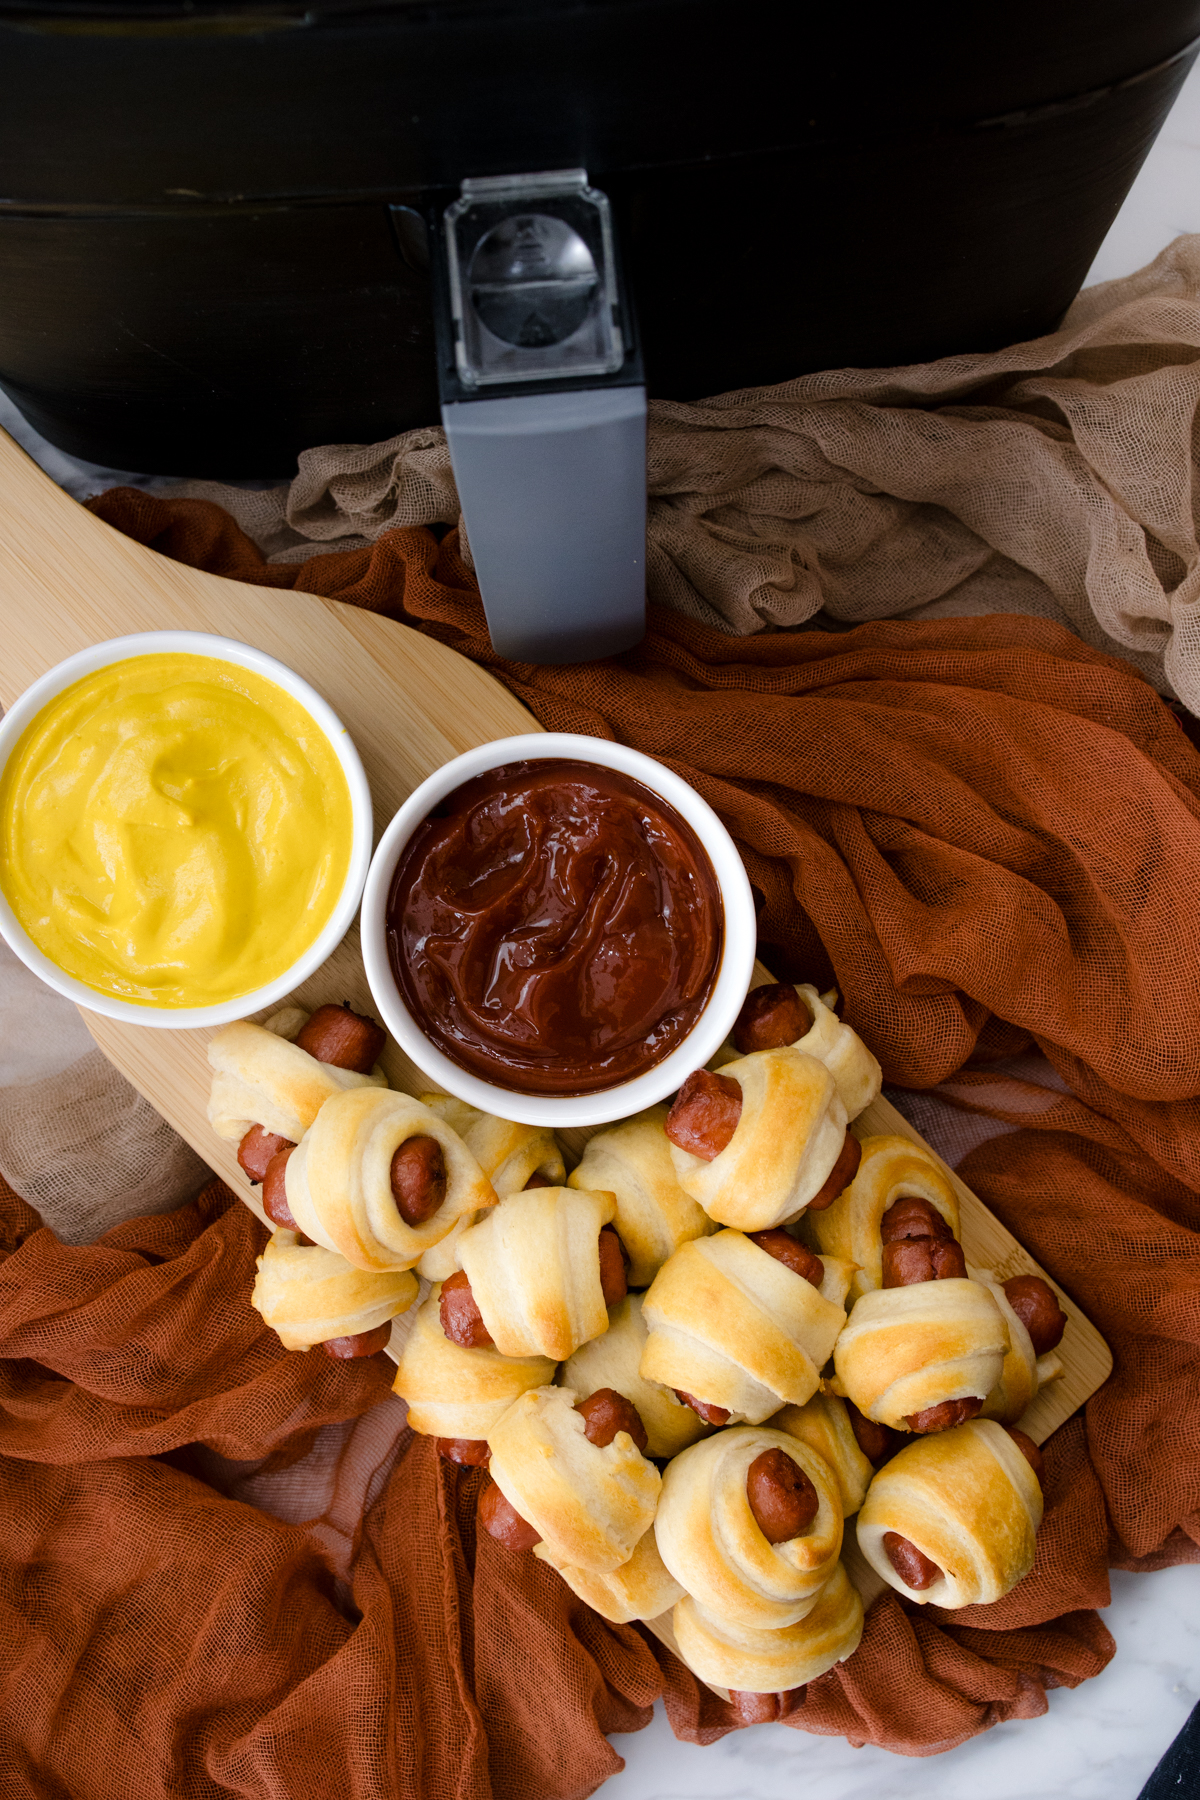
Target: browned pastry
543	1271
457	1392
781	1014
893	1177
261	1077
733	1326
711	1538
749	1659
588	1496
754	1144
613	1361
632	1161
953	1518
310	1295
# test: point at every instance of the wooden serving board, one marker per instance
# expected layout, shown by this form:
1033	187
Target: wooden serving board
67	580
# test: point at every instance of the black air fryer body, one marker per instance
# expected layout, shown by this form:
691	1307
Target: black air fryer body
211	238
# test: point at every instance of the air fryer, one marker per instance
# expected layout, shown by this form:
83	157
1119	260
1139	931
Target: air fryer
231	229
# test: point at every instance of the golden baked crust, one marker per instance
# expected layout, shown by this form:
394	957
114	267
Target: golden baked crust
890	1168
711	1543
969	1501
613	1361
590	1504
533	1263
908	1348
453	1392
338	1179
855	1071
788	1137
507	1153
1016	1390
632	1161
261	1078
309	1294
749	1660
641	1588
732	1326
824	1425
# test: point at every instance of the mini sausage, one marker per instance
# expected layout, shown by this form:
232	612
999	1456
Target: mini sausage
944	1416
343	1038
912	1565
840	1176
704	1116
913	1260
782	1498
462	1321
877	1442
504	1522
605	1413
912	1217
764	1709
418	1178
274	1192
793	1255
363	1343
770	1018
1036	1305
712	1415
613	1263
468	1453
538	1180
1028	1449
257	1149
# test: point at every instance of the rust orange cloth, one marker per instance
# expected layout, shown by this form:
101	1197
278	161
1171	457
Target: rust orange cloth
989	835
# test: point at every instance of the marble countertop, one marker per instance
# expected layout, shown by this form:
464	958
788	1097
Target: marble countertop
1099	1741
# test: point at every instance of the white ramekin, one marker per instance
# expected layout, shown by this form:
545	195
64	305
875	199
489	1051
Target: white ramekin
197	643
711	1028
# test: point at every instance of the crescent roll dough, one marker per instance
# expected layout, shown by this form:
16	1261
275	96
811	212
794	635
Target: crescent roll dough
338	1178
748	1660
857	1074
308	1294
824	1425
711	1543
735	1328
507	1153
590	1505
263	1079
457	1393
788	1137
891	1167
642	1588
908	1348
969	1501
632	1161
533	1263
613	1361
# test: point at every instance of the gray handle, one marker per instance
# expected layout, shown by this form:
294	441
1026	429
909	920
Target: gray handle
553	490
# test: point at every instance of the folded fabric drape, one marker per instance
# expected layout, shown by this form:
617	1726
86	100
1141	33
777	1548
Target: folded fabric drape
986	833
1052	478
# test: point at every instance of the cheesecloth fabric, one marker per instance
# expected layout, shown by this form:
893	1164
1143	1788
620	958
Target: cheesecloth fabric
1055	478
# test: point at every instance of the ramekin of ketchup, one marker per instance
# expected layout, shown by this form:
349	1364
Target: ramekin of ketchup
557	929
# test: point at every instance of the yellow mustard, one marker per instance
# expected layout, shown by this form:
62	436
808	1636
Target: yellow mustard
175	830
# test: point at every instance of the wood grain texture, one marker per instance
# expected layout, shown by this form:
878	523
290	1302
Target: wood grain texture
68	580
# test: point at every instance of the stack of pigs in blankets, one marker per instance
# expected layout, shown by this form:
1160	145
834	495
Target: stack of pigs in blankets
686	1363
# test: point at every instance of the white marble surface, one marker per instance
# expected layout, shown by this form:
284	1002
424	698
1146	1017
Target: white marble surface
1099	1741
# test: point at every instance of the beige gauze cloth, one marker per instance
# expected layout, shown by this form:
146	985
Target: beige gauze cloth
1055	477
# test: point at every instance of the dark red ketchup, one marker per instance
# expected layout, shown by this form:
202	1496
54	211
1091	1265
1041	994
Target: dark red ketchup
555	927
